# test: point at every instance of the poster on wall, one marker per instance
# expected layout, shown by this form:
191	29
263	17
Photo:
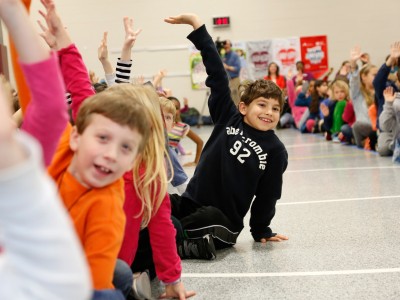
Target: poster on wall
259	56
198	72
314	54
285	53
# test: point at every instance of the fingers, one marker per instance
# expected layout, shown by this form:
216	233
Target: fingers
190	294
104	40
276	238
44	28
43	14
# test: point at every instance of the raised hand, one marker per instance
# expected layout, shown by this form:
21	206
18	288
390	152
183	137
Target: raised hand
324	109
102	51
394	54
139	80
388	94
130	34
190	19
276	238
55	25
355	53
49	38
177	291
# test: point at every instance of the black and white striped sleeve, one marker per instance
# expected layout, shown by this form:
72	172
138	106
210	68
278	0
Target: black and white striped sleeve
123	71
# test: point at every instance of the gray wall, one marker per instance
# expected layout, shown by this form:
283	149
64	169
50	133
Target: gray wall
372	24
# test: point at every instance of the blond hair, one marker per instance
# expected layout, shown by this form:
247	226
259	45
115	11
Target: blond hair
168	106
341	85
151	185
367	94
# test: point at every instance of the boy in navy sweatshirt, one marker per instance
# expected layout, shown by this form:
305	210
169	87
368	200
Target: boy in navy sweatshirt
242	159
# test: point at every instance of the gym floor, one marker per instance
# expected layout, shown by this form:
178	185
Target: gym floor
340	208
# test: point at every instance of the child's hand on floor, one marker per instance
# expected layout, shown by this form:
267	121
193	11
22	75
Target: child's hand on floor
177	291
276	238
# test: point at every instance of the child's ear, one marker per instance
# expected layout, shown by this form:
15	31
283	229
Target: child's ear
242	108
74	139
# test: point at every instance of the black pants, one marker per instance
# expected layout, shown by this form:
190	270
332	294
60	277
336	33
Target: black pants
197	221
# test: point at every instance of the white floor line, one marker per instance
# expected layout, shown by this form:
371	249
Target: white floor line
339	200
343	169
289	274
302	145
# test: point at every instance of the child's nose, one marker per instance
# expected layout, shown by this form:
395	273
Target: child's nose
111	152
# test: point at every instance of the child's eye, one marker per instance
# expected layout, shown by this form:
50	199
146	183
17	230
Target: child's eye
276	109
127	147
261	104
102	137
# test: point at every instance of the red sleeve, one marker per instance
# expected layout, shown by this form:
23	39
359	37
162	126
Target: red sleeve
348	114
163	244
76	77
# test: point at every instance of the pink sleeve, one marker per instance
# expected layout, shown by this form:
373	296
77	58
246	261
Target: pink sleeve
46	116
290	92
76	77
163	244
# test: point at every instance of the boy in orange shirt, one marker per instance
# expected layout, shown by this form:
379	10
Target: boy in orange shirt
111	130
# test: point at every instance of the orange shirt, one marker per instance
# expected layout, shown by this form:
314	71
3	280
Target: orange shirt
97	214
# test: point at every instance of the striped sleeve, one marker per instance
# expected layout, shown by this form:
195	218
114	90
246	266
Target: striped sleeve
123	71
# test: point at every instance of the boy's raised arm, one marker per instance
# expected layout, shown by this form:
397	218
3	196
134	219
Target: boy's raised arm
220	102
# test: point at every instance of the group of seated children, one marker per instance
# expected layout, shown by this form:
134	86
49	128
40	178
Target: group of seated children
360	106
110	162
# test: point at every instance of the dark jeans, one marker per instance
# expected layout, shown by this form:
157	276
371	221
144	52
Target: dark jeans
108	295
123	277
347	132
197	221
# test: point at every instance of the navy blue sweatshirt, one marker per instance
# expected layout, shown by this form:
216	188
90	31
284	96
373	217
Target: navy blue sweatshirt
238	161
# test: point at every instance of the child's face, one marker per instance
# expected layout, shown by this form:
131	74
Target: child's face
338	94
262	114
322	89
178	107
169	120
368	78
103	152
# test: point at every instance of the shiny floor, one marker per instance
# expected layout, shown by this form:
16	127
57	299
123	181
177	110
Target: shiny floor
340	208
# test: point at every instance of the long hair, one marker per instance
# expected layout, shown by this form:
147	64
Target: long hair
315	97
150	170
368	95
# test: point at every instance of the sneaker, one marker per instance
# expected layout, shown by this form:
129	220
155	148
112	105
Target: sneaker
335	138
199	248
141	288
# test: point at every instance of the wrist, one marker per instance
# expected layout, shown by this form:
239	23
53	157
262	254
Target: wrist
171	283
